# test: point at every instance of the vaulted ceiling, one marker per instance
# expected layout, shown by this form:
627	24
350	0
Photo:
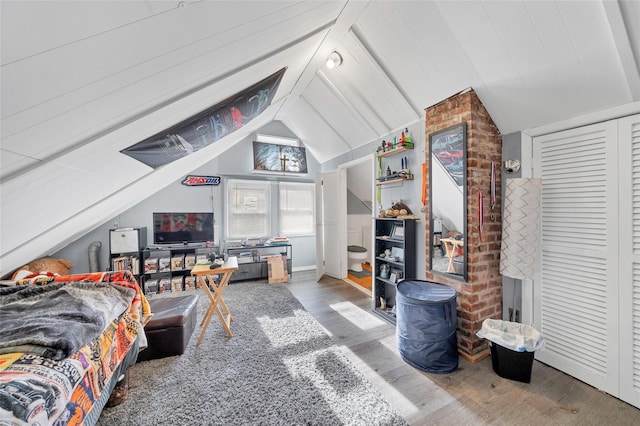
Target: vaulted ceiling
82	80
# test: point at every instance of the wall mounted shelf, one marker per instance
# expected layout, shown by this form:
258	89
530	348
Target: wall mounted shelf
393	151
398	180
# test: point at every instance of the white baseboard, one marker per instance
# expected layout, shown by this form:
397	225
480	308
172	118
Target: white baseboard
303	268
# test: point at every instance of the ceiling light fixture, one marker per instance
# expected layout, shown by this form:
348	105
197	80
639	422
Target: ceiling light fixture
335	60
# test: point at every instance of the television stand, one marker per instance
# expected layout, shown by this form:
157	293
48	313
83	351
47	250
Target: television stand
252	261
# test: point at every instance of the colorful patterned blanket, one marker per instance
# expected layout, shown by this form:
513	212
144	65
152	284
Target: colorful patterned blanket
36	389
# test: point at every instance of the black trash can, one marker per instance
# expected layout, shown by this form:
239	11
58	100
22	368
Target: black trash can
510	364
426	325
512	347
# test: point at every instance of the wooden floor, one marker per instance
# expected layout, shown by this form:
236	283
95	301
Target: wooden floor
365	282
473	395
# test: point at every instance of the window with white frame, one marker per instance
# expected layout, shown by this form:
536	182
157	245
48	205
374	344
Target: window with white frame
249	208
297	204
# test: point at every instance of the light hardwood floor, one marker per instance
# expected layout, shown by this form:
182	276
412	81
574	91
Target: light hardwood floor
472	395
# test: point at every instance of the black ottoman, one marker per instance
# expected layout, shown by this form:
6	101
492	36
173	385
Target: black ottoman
171	327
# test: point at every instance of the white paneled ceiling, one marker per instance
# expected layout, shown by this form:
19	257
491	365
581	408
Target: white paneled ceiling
81	80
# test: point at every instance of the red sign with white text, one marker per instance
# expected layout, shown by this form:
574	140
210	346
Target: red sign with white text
201	180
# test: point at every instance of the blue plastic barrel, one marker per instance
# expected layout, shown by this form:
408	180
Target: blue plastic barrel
426	325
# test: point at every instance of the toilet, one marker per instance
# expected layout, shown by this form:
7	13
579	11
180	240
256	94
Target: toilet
356	252
356	255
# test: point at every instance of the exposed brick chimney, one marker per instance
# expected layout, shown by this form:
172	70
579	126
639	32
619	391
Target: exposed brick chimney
480	297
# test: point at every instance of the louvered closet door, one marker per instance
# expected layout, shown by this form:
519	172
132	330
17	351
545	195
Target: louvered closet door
576	299
629	137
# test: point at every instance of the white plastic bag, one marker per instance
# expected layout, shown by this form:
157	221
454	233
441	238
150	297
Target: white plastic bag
512	335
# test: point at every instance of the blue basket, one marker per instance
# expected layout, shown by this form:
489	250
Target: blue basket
426	326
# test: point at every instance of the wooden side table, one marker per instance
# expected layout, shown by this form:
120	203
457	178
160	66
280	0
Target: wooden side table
214	292
451	245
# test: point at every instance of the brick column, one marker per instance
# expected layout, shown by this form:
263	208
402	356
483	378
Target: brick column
479	297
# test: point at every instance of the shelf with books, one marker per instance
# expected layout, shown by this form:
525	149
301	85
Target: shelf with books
125	251
168	269
394	261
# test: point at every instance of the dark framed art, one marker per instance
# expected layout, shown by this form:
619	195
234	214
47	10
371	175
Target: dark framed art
279	158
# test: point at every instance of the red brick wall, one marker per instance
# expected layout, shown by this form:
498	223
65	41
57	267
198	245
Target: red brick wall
479	297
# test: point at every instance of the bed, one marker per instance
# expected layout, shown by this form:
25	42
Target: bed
64	343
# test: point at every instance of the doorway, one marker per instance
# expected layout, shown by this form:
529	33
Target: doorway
359	196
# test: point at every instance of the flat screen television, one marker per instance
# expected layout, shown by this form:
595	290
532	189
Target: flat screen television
182	228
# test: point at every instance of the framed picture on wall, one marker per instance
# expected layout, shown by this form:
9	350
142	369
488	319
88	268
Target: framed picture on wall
279	158
448	147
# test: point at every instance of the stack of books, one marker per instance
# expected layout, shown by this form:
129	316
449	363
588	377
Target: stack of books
176	283
177	262
151	265
278	241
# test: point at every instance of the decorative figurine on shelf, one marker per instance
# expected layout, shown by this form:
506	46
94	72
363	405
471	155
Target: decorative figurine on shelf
383	303
398	210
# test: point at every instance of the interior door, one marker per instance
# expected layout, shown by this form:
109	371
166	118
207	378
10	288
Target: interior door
319	226
576	297
329	259
629	138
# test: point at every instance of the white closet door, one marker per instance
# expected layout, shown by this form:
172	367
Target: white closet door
331	218
576	299
629	139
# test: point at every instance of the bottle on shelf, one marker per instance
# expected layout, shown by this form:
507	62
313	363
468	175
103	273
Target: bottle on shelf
408	142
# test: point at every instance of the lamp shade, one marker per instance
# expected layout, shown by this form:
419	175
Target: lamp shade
520	227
